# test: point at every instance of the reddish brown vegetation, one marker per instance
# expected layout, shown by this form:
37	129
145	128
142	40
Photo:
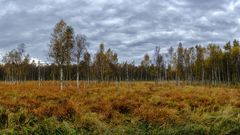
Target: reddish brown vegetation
161	104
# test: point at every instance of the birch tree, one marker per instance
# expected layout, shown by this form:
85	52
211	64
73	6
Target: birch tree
80	49
158	58
61	45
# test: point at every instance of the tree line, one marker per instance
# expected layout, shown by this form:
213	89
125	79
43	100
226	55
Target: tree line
70	60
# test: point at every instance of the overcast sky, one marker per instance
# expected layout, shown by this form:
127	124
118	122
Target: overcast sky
129	27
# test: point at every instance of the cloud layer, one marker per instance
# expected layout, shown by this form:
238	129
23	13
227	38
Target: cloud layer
129	27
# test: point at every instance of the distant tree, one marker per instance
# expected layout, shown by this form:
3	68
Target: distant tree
192	54
112	61
146	63
235	54
180	62
100	62
16	64
170	56
9	68
227	57
159	62
87	63
200	67
25	66
80	48
39	74
105	63
33	66
215	61
187	64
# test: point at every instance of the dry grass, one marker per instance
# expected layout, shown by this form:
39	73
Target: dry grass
107	106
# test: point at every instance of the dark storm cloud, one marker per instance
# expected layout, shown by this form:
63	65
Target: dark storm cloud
129	27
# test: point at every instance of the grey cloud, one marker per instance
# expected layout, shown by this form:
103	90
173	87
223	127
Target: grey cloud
129	27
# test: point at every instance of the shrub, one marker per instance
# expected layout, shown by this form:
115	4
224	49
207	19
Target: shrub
90	124
3	118
63	110
157	115
52	126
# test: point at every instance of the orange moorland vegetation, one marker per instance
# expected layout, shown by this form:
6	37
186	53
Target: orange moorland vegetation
120	108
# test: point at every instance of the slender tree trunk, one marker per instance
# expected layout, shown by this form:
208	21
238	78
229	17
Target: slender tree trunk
146	74
61	78
160	76
203	73
164	78
101	73
212	76
89	74
177	78
78	79
39	77
157	79
228	78
78	83
127	75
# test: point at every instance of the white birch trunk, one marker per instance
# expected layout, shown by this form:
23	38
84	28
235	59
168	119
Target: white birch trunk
77	79
61	78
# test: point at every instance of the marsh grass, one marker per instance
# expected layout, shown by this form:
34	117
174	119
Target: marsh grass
126	108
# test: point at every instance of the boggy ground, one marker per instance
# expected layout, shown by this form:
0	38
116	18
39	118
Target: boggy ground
124	108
